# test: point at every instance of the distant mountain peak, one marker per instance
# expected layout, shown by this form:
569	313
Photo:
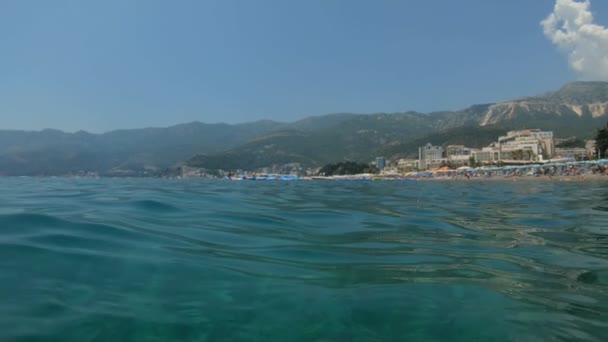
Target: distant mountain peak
588	85
578	98
577	108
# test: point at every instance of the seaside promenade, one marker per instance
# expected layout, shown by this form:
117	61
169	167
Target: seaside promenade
579	170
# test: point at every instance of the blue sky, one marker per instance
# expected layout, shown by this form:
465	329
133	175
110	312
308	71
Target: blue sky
103	65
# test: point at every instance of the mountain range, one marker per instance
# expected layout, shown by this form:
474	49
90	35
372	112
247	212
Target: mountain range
577	109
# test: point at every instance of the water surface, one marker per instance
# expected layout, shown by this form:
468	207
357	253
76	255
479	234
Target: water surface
190	260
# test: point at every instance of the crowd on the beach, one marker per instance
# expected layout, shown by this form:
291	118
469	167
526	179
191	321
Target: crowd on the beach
568	169
579	170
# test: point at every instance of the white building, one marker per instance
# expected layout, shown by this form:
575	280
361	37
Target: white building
573	153
458	155
380	163
407	165
430	156
487	155
535	144
591	148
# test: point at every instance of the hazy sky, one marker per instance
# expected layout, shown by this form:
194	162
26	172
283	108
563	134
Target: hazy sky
102	65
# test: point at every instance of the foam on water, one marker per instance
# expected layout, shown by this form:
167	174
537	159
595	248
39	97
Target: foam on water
160	260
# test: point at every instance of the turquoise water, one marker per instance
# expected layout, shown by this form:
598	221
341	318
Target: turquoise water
160	260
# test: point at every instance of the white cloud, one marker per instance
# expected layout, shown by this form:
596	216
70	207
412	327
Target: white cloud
572	29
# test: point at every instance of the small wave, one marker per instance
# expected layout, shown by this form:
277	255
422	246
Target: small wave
154	206
74	237
28	220
305	261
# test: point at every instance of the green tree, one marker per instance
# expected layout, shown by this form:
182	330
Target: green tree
347	168
601	141
472	161
517	155
529	155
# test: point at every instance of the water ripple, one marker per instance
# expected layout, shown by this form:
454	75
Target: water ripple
241	261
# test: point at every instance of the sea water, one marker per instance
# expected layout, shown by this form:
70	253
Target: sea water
195	260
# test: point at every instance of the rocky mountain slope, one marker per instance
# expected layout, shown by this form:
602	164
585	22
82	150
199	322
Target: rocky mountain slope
578	99
576	109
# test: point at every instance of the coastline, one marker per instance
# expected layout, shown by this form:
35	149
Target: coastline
578	178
